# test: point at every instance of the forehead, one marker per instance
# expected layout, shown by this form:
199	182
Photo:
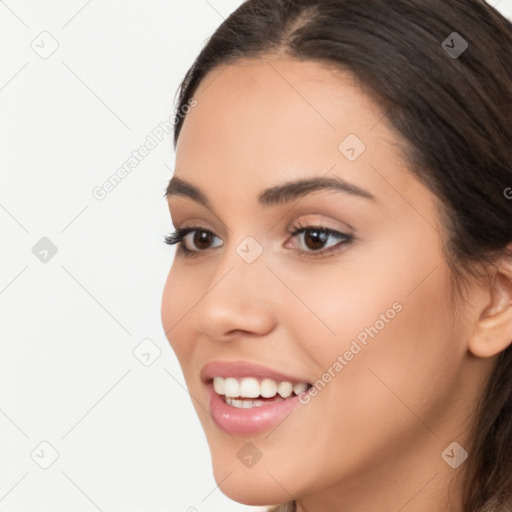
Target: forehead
280	95
259	122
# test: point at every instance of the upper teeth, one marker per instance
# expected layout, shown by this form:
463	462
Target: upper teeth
250	387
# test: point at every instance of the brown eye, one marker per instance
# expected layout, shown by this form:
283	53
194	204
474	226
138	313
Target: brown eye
202	239
315	239
199	238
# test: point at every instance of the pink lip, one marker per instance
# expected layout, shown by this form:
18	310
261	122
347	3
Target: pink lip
239	369
237	421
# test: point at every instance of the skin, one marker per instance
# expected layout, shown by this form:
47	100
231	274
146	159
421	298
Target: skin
372	439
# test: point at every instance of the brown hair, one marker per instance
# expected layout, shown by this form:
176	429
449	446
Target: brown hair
455	114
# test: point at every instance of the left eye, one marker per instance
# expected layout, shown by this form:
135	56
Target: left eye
314	240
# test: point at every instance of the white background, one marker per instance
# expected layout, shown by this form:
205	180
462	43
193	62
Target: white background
126	434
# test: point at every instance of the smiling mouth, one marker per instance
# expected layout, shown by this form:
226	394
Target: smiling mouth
249	392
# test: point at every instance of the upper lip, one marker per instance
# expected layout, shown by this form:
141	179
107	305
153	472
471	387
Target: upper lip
239	369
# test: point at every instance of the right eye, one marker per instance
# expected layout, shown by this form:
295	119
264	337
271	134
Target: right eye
199	238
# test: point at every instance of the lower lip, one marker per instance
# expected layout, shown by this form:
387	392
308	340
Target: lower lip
237	421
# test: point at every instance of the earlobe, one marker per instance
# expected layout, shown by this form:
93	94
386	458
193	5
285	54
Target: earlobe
493	333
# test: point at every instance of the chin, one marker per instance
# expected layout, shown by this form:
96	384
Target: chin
251	487
265	483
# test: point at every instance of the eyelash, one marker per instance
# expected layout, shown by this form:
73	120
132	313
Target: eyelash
177	238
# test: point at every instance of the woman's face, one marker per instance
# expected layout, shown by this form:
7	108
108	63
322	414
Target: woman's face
368	319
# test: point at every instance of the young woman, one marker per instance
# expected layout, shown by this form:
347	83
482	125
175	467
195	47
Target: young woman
340	300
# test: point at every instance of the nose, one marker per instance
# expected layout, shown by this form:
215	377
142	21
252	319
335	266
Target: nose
240	300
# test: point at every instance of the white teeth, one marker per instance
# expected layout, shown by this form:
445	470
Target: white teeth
268	388
218	384
299	387
235	403
244	404
285	389
231	387
250	387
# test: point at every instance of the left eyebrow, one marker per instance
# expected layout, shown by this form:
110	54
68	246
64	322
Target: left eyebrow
276	195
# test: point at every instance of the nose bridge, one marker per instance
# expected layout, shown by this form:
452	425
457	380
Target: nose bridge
242	270
237	298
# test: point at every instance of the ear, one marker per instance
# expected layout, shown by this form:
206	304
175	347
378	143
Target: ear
493	332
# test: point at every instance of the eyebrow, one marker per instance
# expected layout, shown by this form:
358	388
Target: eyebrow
276	195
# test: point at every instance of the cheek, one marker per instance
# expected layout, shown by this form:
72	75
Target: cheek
390	315
400	381
398	351
390	296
